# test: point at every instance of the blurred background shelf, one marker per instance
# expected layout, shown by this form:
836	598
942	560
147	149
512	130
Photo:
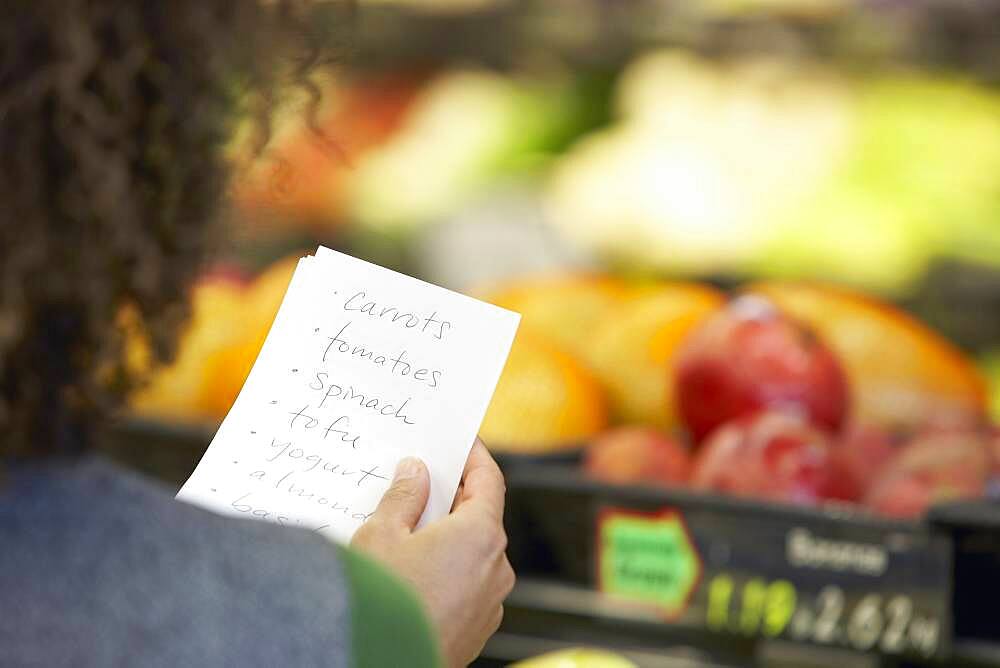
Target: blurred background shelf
617	170
598	33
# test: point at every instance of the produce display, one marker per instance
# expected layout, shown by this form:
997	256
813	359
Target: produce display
785	169
786	392
677	163
672	167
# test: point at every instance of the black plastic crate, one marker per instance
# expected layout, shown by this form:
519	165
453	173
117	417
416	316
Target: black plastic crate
836	579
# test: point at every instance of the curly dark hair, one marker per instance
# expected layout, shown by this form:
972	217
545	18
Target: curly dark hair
113	117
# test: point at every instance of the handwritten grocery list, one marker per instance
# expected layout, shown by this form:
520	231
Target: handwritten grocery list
362	367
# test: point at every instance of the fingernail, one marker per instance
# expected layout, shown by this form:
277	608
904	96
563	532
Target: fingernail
408	467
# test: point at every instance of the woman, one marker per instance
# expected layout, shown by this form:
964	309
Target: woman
112	121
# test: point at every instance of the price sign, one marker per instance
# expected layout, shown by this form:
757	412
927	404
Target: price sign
839	585
830	579
855	585
888	623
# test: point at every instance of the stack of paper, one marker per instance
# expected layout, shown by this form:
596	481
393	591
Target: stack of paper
362	367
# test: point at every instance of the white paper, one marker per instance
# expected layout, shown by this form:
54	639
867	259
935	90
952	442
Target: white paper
362	367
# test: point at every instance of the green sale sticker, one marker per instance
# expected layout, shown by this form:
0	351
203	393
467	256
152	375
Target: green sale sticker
647	559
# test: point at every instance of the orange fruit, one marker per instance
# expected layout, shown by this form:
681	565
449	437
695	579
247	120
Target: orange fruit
545	401
563	307
901	372
225	368
219	345
224	371
266	292
632	349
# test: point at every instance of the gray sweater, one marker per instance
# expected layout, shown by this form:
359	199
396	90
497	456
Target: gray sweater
101	567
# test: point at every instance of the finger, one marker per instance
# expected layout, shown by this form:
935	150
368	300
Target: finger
473	461
483	483
404	502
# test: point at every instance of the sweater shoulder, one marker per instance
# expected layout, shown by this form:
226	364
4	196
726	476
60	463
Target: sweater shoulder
91	545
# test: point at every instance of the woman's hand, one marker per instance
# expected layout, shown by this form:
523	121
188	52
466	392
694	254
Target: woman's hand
457	564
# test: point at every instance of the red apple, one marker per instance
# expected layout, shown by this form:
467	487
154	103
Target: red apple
861	454
769	456
750	357
637	454
937	465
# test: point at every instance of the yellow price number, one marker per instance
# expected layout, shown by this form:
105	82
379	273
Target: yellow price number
756	606
779	607
720	593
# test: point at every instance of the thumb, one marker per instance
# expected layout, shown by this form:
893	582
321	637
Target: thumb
403	503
